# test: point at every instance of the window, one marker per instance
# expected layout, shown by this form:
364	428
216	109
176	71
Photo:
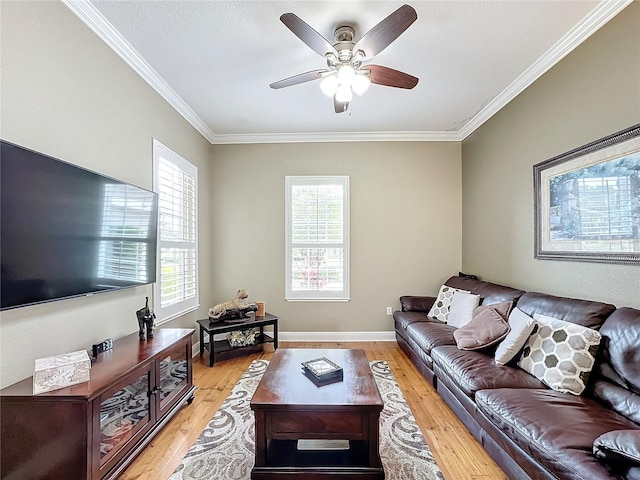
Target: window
317	238
176	181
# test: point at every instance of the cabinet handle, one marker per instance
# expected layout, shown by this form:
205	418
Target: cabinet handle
154	391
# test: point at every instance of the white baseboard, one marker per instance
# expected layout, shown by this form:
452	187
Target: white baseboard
385	336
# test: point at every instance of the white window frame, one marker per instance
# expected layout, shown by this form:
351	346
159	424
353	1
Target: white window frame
191	303
341	295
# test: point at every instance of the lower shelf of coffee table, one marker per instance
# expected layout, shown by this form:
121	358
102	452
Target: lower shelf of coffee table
286	453
285	461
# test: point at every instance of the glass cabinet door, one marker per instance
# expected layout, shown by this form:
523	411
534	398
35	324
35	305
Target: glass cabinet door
125	412
173	377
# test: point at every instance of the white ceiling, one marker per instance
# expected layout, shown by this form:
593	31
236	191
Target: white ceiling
214	60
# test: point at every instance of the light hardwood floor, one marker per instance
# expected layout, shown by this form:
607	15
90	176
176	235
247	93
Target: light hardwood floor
458	454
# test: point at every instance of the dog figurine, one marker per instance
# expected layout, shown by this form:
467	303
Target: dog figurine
146	320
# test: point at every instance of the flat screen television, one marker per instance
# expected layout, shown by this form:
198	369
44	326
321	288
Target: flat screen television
68	232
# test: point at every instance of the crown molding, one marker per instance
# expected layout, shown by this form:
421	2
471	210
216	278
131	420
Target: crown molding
598	17
324	137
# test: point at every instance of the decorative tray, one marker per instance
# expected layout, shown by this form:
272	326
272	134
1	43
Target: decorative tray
322	370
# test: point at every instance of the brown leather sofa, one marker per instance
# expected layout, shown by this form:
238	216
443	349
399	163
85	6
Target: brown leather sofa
530	430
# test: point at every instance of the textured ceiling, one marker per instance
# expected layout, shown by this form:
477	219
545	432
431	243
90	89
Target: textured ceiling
214	61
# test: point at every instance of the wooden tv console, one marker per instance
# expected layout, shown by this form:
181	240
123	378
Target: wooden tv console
93	430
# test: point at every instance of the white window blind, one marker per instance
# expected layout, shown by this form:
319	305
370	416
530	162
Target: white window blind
176	181
317	238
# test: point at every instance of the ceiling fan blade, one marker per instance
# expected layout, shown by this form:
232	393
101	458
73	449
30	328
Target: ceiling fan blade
385	32
308	35
300	78
340	107
390	78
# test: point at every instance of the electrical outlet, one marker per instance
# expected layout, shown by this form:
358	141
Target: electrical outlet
389	312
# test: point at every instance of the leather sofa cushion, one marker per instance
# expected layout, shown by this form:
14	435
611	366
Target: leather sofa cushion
620	451
581	312
428	335
624	444
616	378
415	303
489	292
557	429
423	356
404	319
473	371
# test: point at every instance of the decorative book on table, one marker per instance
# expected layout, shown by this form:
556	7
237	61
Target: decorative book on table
60	371
322	371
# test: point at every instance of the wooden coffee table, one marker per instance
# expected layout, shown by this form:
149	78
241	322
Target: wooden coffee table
338	422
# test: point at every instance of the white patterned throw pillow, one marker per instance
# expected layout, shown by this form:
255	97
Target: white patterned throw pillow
560	354
440	308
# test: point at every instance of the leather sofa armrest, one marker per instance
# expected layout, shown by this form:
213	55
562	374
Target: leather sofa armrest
416	303
619	449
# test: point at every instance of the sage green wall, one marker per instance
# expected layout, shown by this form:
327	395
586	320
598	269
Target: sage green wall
593	92
405	225
67	94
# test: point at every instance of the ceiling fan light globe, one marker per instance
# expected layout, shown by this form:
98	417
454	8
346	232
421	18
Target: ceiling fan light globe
329	85
346	74
343	94
360	84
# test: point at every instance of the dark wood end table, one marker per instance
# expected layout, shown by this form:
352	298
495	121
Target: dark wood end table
289	407
216	327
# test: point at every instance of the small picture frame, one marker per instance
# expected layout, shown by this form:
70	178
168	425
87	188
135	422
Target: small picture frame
321	366
322	371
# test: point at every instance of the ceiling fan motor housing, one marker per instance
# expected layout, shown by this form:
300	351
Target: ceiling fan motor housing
345	33
344	37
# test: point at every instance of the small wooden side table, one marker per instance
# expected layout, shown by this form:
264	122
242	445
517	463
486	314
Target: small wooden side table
217	327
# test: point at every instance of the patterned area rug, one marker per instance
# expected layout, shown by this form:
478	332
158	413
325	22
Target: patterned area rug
225	449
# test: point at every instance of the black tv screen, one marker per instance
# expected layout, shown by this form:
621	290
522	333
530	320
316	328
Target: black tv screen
67	232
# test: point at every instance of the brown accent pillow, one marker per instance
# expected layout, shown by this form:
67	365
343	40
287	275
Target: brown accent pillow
503	308
488	326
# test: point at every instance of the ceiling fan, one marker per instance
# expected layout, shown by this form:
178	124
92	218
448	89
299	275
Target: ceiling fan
346	72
